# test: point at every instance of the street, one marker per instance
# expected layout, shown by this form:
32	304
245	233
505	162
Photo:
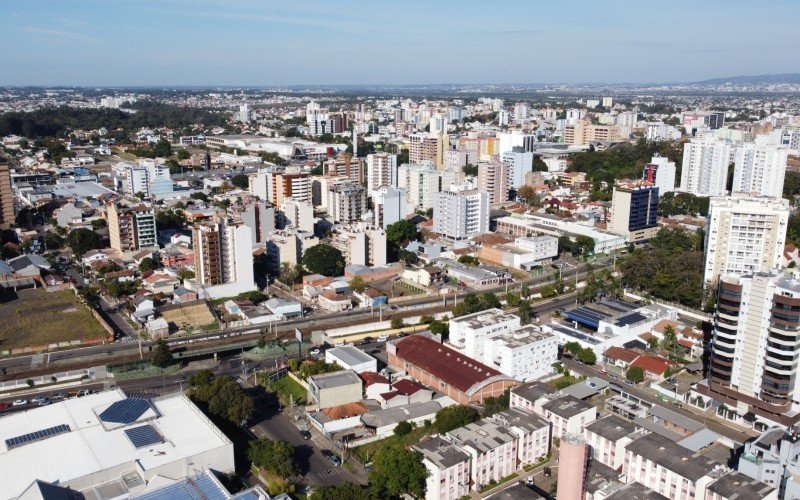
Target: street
730	431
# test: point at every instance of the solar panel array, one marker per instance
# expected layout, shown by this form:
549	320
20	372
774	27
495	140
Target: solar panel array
144	435
630	319
35	436
587	317
126	411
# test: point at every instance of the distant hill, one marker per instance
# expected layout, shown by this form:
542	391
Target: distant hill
793	78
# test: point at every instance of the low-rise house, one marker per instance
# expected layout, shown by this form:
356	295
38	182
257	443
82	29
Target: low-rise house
182	295
157	328
334	389
332	302
29	265
383	421
375	384
404	392
284	308
123	276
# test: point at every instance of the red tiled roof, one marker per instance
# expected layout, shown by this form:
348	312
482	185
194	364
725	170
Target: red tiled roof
345	411
652	364
386	396
686	343
370	378
444	363
621	354
407	387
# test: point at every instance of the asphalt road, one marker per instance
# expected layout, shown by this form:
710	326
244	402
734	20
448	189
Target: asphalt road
650	396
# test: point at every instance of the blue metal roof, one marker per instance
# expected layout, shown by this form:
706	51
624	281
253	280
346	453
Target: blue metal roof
202	487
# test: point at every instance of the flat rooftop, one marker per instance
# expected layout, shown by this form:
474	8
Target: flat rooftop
611	427
672	456
440	452
336	379
533	391
521	337
735	486
484	435
485	318
105	431
350	355
567	406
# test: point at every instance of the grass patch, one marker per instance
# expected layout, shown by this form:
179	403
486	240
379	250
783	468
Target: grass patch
146	371
365	452
502	480
287	388
563	381
38	318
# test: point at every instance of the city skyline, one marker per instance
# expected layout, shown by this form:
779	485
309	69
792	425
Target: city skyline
208	43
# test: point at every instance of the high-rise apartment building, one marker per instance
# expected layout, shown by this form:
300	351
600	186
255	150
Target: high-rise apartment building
244	113
131	228
493	179
390	205
347	202
581	133
634	210
428	147
148	178
518	163
259	216
223	258
661	172
745	235
381	171
6	196
298	215
460	212
754	366
704	171
455	160
760	169
318	120
346	165
422	182
275	184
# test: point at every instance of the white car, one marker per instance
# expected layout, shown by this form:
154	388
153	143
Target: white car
20	402
314	352
38	399
383	338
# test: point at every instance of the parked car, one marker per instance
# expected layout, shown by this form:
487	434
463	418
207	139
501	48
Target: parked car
20	402
3	406
314	352
366	340
59	396
45	402
383	338
39	399
306	435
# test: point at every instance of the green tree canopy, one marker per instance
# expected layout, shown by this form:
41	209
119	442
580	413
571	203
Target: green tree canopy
162	356
342	491
225	398
472	304
82	240
162	149
635	374
401	231
277	457
357	284
241	181
324	259
403	428
455	416
397	471
148	264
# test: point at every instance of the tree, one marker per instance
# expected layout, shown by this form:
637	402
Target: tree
357	284
586	356
82	240
241	181
397	471
148	264
495	405
440	328
290	275
403	428
276	457
469	260
634	374
199	196
324	259
652	343
99	224
397	323
401	232
223	396
162	357
670	339
174	166
342	491
470	169
182	154
453	417
525	312
255	296
162	148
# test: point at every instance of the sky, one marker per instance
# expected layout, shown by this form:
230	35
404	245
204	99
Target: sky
269	42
